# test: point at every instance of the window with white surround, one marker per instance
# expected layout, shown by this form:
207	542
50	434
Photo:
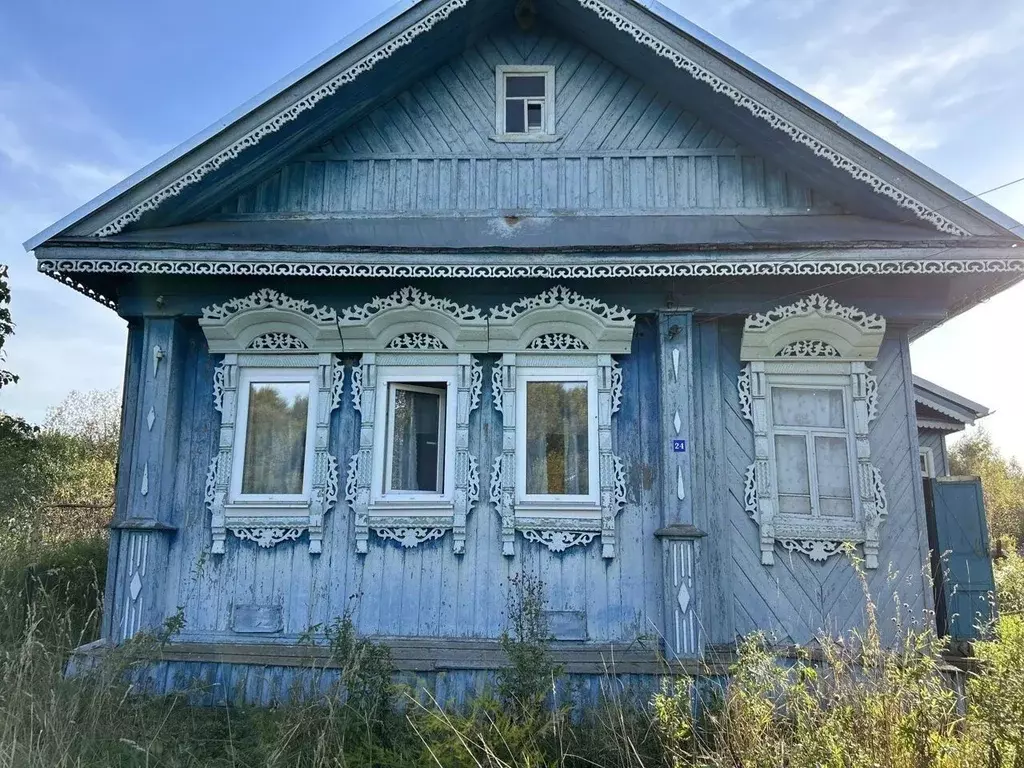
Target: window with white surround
557	480
525	103
274	434
809	394
413	476
556	451
927	463
273	477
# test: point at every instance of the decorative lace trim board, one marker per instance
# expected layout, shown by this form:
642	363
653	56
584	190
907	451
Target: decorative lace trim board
638	33
65	269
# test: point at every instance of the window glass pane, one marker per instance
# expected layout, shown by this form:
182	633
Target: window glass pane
808	407
275	438
793	477
515	119
832	460
557	449
524	86
416	456
534	116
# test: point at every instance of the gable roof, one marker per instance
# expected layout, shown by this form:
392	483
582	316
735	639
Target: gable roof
756	93
938	408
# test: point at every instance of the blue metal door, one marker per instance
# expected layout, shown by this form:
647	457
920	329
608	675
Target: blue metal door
961	561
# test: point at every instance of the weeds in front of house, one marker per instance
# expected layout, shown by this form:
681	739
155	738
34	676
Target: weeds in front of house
879	698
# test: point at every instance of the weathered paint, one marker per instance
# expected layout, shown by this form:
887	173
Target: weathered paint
430	592
936	440
796	599
623	147
425	591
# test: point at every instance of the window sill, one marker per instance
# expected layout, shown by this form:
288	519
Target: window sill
554	509
413	508
525	138
265	508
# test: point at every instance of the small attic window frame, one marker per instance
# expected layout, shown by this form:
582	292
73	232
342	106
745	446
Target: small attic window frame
546	131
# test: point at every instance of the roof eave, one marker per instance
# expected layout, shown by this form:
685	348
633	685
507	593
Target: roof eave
843	122
169	158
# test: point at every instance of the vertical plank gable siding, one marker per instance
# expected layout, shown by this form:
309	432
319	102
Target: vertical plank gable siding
622	147
426	591
796	599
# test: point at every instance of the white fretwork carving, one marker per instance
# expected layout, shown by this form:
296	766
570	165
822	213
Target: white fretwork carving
557	341
410	537
267	537
64	270
415	341
272	342
756	108
270	321
818	551
559	541
818	537
405	331
412	320
232	328
282	117
514	330
808	348
137	548
814	326
268	298
683	630
816	304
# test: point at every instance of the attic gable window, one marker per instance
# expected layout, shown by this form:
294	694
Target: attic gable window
525	103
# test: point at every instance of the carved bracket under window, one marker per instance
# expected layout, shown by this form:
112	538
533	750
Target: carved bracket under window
810	397
543	485
271	340
413	340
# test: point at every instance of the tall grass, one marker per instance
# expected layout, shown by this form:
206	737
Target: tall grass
853	702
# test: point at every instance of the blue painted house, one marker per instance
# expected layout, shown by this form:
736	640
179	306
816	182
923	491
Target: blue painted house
565	288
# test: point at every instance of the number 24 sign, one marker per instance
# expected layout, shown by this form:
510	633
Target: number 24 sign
679	446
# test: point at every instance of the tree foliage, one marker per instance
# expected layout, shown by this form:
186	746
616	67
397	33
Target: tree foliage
1002	479
6	325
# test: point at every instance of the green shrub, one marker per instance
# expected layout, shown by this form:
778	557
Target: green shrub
1009	573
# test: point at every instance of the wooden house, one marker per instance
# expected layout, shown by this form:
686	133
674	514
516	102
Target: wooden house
563	288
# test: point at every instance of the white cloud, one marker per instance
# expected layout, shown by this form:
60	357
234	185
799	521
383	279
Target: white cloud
48	167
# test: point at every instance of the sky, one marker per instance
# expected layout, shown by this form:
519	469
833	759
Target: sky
91	92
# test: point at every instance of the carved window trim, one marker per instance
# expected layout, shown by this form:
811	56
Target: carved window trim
406	337
231	329
814	342
547	130
603	331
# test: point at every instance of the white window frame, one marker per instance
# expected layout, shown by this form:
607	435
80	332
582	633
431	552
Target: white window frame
413	379
268	336
813	382
558	335
559	503
411	337
929	462
547	132
247	377
816	342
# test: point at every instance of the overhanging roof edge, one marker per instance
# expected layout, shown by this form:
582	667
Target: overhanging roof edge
168	158
652	7
843	122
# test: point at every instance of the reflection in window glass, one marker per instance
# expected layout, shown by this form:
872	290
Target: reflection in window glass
417	454
275	438
557	448
524	103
